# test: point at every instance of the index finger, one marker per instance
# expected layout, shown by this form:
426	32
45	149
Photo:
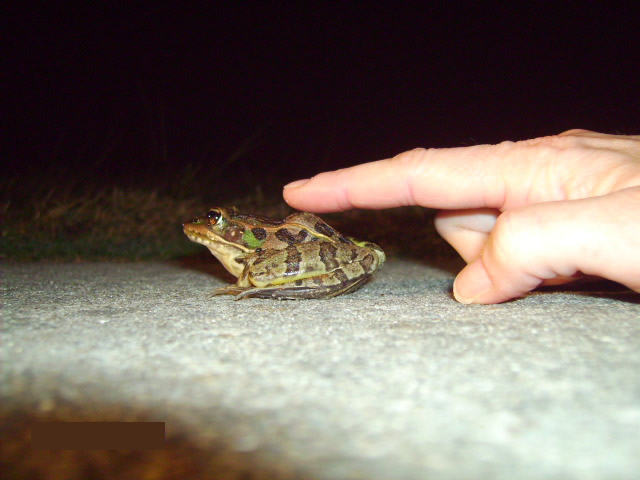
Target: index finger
568	166
465	177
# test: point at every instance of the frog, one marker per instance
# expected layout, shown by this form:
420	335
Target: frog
298	257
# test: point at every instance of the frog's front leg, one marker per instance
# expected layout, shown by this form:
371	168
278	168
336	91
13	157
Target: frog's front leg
228	290
241	284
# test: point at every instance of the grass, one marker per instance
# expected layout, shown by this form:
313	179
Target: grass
74	221
104	224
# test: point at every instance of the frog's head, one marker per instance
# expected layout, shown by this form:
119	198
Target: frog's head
228	239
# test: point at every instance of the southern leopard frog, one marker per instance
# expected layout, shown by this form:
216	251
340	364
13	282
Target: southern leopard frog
298	257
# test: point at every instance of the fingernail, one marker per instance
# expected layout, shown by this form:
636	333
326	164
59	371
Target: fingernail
297	183
471	283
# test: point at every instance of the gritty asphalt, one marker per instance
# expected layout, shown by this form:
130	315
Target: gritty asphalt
394	381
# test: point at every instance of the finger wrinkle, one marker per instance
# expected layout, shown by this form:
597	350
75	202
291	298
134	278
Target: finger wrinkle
410	197
343	198
414	164
495	196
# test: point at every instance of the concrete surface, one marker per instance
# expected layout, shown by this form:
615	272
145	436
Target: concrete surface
394	381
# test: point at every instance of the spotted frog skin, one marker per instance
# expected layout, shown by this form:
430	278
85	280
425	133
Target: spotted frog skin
298	257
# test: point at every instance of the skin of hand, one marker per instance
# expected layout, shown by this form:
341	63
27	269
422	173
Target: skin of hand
521	214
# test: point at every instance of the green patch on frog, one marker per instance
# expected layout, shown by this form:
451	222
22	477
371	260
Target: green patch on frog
250	239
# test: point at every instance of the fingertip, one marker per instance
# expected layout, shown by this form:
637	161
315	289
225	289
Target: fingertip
291	192
318	194
296	184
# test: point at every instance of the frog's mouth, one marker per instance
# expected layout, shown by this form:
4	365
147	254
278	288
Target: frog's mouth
199	239
211	241
229	254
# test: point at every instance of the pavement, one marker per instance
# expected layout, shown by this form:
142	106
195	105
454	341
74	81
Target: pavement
394	381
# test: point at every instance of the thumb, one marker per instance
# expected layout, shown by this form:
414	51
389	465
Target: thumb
597	236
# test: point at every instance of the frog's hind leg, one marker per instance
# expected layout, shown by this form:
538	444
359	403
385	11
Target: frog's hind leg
323	286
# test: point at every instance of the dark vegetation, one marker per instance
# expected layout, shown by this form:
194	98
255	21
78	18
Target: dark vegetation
72	216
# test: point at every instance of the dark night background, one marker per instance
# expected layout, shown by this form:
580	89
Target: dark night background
245	95
122	120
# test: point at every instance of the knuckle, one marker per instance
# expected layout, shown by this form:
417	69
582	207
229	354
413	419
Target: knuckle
507	255
414	163
564	141
574	132
505	146
412	157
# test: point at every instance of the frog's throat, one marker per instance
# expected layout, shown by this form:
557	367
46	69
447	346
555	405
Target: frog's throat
229	254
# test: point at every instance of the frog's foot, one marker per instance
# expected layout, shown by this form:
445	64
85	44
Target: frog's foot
229	290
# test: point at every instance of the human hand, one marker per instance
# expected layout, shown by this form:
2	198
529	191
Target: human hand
521	214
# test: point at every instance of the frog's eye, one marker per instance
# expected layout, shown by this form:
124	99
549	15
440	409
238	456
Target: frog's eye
214	215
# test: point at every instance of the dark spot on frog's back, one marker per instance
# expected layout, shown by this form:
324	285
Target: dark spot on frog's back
285	236
302	234
289	238
324	229
259	232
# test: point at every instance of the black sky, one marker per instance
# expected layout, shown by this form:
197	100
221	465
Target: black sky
287	92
